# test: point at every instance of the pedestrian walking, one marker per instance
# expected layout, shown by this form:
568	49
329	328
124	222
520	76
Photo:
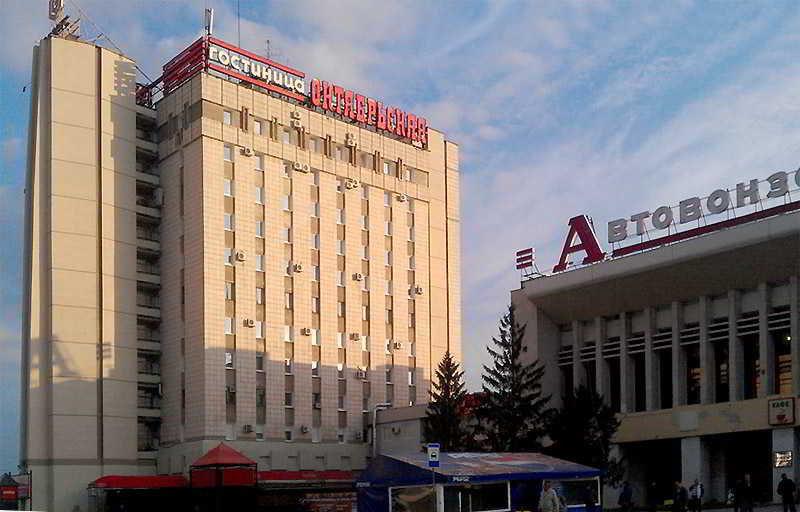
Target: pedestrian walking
548	499
626	497
787	490
680	498
696	492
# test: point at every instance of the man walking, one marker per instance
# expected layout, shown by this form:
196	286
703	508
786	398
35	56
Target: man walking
679	498
787	490
696	492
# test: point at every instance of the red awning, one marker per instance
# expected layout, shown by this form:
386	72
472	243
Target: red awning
306	476
223	455
139	482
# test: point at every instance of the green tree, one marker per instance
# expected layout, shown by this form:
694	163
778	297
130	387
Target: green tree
511	413
446	408
581	432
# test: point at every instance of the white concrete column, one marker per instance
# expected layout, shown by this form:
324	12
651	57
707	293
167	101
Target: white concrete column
695	461
794	332
651	374
578	375
735	356
626	380
783	439
766	349
708	375
601	369
678	357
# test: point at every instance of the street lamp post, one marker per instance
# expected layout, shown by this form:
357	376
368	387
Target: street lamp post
375	410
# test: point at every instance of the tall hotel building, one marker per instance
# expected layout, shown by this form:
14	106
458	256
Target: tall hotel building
234	253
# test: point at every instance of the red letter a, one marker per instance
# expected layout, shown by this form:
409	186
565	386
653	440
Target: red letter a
579	227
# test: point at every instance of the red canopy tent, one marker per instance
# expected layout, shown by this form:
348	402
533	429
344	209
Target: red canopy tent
223	466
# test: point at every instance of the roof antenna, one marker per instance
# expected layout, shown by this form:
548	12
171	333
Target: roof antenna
209	21
269	50
239	22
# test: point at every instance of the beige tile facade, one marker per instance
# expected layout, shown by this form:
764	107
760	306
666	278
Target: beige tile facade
344	298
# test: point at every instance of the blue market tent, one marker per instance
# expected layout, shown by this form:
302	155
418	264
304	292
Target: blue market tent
402	482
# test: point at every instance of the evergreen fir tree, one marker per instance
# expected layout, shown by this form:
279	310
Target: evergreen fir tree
510	416
581	432
445	410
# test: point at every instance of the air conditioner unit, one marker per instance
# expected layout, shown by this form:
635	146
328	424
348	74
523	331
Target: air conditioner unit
303	429
295	114
305	331
297	166
397	345
361	374
298	267
358	276
296	123
418	290
350	142
249	322
317	405
352	183
402	198
240	256
247	152
355	336
247	428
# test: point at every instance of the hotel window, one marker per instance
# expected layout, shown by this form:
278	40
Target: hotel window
260	368
315	210
340	437
340	403
286	136
286	203
389	228
228	153
287	235
228	187
228	256
364	313
386	168
389	316
315	144
259	263
339	153
411	263
365	252
367	160
387	199
364	222
316	273
259	162
315	240
229	325
411	234
287	435
316	435
340	309
340	343
315	176
227	117
340	278
288	334
287	169
365	284
340	247
260	195
229	291
257	128
315	368
229	360
287	399
315	304
288	300
259	295
260	228
388	287
340	215
228	222
388	257
259	330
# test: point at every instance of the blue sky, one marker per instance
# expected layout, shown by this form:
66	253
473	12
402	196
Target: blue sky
561	108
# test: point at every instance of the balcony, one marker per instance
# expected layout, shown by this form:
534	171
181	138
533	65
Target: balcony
148	305
148	238
148	272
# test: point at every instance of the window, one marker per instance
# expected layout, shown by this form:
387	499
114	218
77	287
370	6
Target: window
259	263
260	195
315	240
340	437
365	313
259	330
340	309
411	263
388	287
228	222
229	360
364	222
389	316
387	199
288	334
386	169
286	203
364	192
260	368
288	301
287	169
340	344
315	177
315	145
388	257
365	252
341	403
229	291
287	435
316	435
340	247
287	366
228	153
340	278
228	256
260	228
288	268
259	162
227	117
259	295
365	284
340	216
388	227
315	304
339	185
315	337
316	273
315	210
257	128
228	187
288	399
286	136
287	235
315	368
229	325
338	153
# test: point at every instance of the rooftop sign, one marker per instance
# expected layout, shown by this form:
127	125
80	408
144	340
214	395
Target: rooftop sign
723	208
212	53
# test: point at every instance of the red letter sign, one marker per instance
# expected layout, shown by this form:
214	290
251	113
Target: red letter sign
579	227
